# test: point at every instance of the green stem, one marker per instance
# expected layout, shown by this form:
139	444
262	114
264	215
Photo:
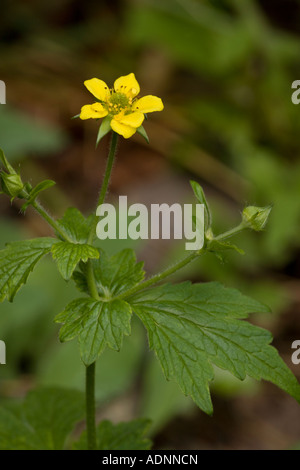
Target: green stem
44	214
160	276
90	370
181	264
106	180
37	206
91	407
232	232
91	281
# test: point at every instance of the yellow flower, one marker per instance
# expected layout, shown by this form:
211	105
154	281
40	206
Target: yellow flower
120	104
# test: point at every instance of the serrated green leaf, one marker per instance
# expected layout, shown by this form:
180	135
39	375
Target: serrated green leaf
122	436
68	255
42	422
191	327
76	225
17	260
97	324
142	131
104	129
113	275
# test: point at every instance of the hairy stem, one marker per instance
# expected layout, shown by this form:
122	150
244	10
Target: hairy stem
44	214
90	370
160	276
232	232
106	180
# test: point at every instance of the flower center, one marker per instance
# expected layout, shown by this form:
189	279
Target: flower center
117	102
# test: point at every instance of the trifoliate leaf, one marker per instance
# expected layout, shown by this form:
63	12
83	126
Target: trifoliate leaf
42	422
192	327
113	275
97	324
17	260
67	256
122	436
76	226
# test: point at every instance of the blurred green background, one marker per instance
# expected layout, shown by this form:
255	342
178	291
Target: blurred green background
224	69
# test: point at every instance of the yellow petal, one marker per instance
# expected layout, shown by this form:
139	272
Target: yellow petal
133	119
98	88
148	104
93	111
122	129
127	85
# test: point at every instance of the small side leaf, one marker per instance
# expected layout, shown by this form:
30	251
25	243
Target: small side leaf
97	324
17	260
200	196
218	247
68	255
113	274
76	225
42	186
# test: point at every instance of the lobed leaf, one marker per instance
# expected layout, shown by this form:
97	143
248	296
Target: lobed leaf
113	274
76	225
97	324
68	255
193	326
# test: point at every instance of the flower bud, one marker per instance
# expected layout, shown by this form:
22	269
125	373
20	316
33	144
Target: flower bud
256	217
11	184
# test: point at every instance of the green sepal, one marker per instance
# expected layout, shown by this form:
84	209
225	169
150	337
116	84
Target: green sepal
11	184
104	129
256	218
142	131
5	163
